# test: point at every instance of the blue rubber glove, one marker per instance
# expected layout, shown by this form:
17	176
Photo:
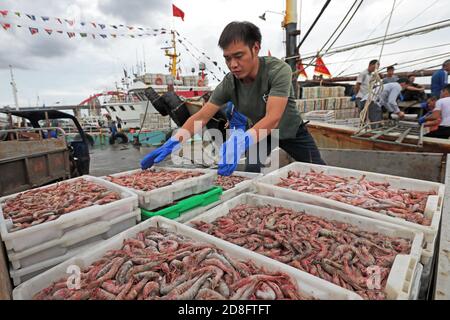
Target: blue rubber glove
160	154
422	120
353	98
238	121
232	150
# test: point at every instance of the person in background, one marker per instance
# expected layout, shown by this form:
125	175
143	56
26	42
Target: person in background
390	76
428	107
442	111
414	91
362	83
439	79
119	123
112	126
387	99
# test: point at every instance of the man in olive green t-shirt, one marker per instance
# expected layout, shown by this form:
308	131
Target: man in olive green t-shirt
261	89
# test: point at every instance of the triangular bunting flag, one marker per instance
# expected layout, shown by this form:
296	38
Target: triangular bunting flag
215	63
102	26
17	14
83	24
132	36
60	31
32	17
141	29
6	26
59	20
301	69
19	26
70	22
113	35
121	25
71	34
113	26
49	31
94	25
321	69
93	36
45	18
131	28
4	13
83	35
33	30
156	30
104	36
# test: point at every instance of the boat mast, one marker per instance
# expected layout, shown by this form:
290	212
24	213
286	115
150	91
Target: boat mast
173	56
290	25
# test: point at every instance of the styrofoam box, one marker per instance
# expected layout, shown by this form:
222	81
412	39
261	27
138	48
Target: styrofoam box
308	285
160	197
433	210
99	230
47	231
401	276
416	283
240	188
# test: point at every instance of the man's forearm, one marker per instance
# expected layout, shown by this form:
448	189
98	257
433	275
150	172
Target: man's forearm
188	129
263	127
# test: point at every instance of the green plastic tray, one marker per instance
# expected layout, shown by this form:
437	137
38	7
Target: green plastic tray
173	212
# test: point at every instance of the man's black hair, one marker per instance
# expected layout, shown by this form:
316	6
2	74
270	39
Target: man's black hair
447	88
371	63
390	68
445	62
403	80
243	31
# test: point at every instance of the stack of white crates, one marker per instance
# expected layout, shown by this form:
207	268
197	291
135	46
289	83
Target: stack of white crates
33	250
327	99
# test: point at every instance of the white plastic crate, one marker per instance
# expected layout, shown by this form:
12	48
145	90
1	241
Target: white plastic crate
401	276
27	273
267	186
100	230
47	231
161	197
308	284
240	188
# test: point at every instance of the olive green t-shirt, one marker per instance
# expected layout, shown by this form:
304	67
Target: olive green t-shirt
274	79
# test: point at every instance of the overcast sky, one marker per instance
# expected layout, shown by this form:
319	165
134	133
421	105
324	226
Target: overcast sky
57	68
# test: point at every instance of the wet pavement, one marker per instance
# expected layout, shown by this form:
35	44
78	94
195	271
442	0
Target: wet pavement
117	158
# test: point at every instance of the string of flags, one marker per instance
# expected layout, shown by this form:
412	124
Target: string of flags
71	34
73	23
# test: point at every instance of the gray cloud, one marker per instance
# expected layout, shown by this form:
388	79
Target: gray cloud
136	11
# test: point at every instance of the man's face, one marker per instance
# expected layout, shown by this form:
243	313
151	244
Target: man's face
431	104
404	85
390	73
412	79
372	67
447	67
240	59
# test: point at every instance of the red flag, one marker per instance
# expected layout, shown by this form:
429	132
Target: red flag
4	13
34	30
177	12
49	31
321	69
301	69
6	26
269	53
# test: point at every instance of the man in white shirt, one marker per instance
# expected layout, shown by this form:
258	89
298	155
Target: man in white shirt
362	83
442	111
